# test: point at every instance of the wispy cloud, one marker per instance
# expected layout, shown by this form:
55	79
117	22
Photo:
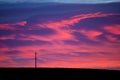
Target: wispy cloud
115	29
61	42
12	26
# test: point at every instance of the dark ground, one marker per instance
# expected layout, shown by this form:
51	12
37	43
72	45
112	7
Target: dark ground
58	73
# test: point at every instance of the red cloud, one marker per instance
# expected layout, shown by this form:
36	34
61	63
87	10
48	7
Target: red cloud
12	26
115	29
60	47
62	27
95	61
98	60
60	35
91	34
27	52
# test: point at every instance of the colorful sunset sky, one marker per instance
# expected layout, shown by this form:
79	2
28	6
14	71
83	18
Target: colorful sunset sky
63	35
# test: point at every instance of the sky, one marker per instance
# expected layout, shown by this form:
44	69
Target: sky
65	1
63	35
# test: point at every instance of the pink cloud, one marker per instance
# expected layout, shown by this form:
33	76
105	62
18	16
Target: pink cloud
60	35
12	26
65	34
91	34
114	29
95	61
22	23
73	20
57	45
60	47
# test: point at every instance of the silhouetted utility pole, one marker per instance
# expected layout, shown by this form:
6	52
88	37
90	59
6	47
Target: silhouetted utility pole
35	60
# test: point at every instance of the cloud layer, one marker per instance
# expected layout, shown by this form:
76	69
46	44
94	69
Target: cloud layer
80	40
